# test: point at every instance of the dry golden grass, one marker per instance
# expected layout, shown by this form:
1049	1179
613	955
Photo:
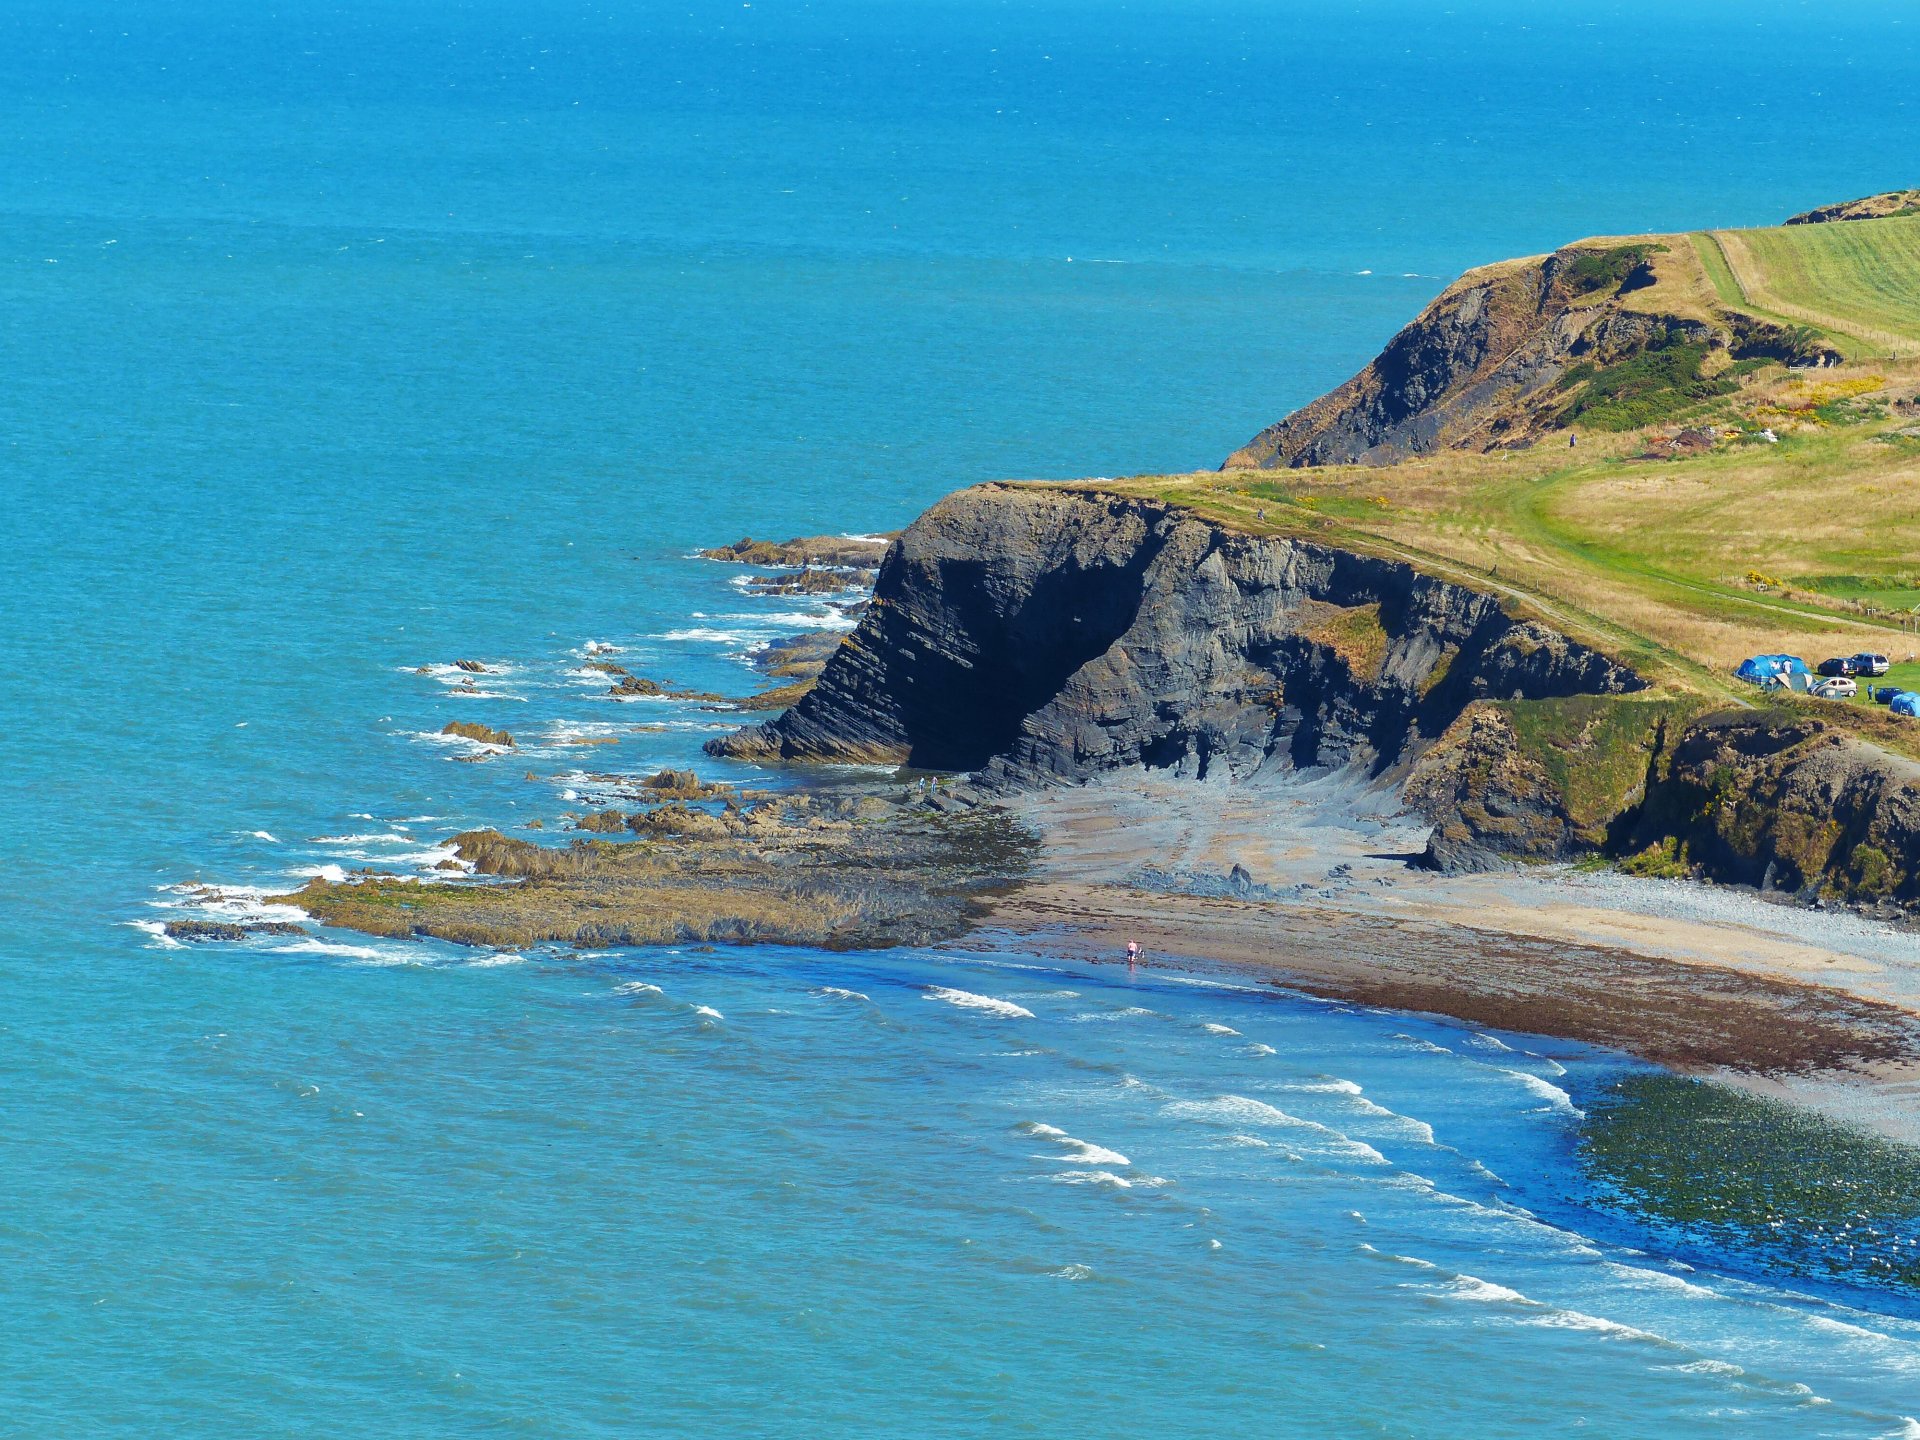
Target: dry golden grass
1644	559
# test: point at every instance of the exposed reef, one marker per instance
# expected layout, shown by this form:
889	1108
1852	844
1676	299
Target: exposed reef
204	931
860	870
814	551
480	734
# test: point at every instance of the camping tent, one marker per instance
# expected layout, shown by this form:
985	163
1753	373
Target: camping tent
1762	668
1905	703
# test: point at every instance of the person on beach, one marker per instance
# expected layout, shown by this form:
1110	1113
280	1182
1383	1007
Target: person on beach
1133	953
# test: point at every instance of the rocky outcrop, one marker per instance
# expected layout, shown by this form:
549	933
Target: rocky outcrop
1779	800
1786	802
1512	351
1873	207
1494	339
829	552
1042	635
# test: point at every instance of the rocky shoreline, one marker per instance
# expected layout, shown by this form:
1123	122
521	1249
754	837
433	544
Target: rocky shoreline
1061	648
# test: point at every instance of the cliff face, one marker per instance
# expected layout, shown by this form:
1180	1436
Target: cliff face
1046	636
1049	635
1777	800
1784	802
1873	207
1512	351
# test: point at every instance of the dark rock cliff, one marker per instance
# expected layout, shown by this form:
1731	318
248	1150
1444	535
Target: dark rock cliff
1505	354
1786	802
1047	635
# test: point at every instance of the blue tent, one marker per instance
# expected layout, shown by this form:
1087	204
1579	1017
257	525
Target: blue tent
1762	668
1905	703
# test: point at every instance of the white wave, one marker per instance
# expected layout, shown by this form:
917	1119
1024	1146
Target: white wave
1333	1086
709	1012
1092	1177
348	952
263	835
704	632
1212	984
868	539
1258	1049
1578	1320
1472	1287
464	743
1236	1109
1072	1272
1707	1367
1126	1012
1078	1151
1556	1098
1487	1042
487	962
380	839
967	1000
332	874
158	930
637	987
1239	1110
811	619
487	695
598	647
1644	1279
837	993
1424	1045
1213	1029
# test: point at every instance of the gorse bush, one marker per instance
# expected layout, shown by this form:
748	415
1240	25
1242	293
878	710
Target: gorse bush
1645	389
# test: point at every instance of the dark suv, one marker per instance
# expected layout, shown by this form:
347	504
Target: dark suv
1867	664
1848	666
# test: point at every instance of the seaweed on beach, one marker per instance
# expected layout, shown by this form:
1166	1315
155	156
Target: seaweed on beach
1741	1174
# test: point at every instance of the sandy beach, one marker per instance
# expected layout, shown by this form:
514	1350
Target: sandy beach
1819	1005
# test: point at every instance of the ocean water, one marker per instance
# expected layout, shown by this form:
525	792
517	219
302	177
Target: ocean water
343	339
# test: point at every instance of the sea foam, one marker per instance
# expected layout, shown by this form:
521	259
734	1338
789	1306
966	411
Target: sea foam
967	1000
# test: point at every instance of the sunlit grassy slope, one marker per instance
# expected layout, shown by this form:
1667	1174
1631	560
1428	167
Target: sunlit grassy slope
1680	566
1788	520
1858	281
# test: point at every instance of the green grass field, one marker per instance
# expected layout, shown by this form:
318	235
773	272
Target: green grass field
1856	280
1798	531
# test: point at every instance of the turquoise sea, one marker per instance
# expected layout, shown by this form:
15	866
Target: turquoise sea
344	338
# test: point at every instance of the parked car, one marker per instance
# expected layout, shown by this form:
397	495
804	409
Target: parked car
1838	688
1868	664
1839	666
1883	694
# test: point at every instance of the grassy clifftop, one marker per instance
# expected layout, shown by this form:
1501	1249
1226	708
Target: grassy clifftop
1610	334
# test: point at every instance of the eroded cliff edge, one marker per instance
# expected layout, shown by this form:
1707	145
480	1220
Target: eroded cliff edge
1514	351
1043	635
1048	634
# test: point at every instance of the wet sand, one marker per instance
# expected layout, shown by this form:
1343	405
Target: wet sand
1822	1008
